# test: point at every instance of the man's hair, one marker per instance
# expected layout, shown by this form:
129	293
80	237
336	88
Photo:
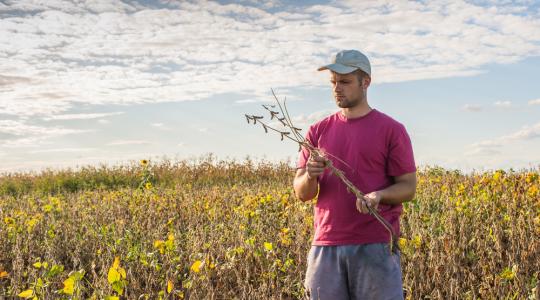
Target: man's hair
360	75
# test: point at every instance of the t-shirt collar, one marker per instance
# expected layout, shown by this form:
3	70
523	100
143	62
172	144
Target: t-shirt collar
341	117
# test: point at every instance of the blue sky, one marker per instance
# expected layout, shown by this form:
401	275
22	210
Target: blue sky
115	81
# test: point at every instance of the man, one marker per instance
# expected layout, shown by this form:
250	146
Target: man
350	257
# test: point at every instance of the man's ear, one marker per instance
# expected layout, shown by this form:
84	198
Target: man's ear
366	81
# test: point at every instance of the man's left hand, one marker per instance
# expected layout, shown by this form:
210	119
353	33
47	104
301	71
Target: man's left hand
372	199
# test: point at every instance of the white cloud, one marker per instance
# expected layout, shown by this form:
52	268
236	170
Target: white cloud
304	121
62	150
471	108
21	134
30	105
248	101
160	126
13	80
301	121
526	133
81	116
19	128
482	152
503	104
492	146
534	102
128	142
54	54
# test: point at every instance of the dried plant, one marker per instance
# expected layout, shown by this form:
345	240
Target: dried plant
214	229
293	133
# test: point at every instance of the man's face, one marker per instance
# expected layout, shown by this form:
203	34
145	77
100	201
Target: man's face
348	91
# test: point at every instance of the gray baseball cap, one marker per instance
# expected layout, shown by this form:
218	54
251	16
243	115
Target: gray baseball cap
348	61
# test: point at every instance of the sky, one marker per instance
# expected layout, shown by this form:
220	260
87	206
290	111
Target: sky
111	82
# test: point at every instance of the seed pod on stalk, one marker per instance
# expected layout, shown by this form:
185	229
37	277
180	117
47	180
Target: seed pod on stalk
294	135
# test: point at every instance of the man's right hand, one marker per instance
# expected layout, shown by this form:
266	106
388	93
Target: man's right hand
315	166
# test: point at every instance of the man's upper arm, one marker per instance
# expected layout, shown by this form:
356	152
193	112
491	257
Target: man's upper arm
407	178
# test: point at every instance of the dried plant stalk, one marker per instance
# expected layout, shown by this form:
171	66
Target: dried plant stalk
286	121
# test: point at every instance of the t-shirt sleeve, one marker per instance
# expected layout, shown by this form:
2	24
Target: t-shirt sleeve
303	155
400	156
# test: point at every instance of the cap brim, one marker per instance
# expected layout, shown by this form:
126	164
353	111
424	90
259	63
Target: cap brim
338	68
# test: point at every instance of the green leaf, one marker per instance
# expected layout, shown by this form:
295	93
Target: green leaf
122	272
116	262
113	276
77	275
26	294
55	270
118	286
69	286
196	266
268	246
170	286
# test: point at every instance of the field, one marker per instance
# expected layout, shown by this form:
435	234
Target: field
208	229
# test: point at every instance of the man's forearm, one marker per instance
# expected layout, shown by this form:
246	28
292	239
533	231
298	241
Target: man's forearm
398	193
305	187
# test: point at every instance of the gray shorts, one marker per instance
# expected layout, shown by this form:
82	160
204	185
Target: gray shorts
353	272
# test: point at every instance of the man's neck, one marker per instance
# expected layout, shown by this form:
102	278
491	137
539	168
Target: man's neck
358	111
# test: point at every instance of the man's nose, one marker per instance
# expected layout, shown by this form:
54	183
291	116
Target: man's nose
337	87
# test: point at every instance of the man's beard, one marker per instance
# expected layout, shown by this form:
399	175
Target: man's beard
347	103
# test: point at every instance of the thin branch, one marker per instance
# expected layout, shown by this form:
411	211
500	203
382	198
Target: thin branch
280	132
290	120
286	121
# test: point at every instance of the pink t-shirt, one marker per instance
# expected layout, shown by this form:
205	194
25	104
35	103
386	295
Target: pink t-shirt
375	148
